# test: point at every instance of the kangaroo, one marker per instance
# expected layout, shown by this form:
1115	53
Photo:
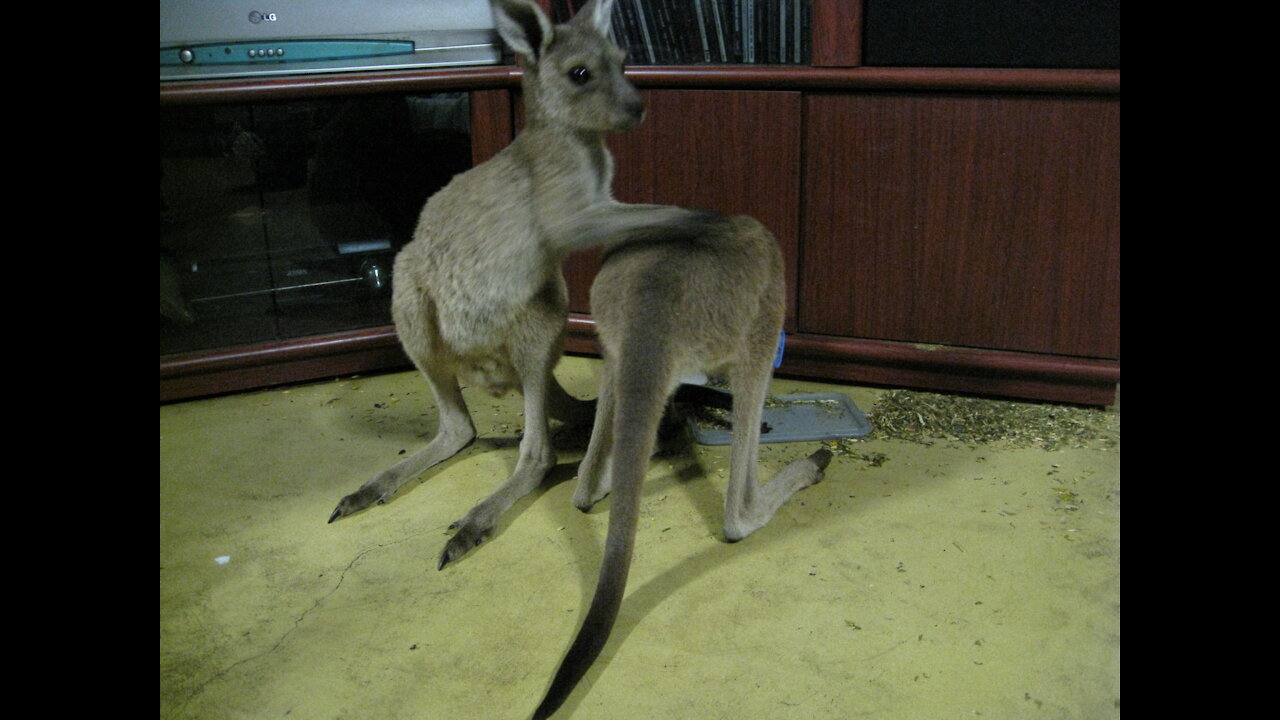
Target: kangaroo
478	292
700	294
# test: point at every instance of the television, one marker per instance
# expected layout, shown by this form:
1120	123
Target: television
208	39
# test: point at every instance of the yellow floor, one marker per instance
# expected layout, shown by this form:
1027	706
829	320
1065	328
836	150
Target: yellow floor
949	581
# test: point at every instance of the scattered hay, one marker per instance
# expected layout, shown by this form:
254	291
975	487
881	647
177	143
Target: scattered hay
922	418
711	418
925	418
847	447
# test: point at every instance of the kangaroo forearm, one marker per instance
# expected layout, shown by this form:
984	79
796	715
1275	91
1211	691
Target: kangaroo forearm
617	223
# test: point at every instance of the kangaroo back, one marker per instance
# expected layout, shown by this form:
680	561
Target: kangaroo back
702	294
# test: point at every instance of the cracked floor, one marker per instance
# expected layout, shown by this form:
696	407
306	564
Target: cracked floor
942	581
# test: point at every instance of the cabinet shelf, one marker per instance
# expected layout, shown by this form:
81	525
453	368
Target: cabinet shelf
728	77
707	32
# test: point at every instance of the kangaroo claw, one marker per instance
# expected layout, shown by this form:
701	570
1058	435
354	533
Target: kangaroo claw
356	501
466	538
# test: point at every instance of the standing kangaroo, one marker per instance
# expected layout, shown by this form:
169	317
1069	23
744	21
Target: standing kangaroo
705	294
478	292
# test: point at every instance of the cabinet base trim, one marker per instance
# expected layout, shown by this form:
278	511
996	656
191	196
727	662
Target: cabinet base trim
1031	376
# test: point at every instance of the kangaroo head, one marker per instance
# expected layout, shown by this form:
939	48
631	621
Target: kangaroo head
572	72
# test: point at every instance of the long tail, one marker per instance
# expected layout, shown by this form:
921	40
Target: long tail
641	399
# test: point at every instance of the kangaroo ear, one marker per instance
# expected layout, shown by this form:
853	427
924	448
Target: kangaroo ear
523	26
598	14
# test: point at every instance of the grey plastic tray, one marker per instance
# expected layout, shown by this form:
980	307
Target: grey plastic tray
799	418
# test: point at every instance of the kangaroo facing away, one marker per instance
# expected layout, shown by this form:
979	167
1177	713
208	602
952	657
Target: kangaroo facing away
679	298
478	293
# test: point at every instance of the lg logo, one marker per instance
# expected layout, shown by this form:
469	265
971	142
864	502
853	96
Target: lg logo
256	17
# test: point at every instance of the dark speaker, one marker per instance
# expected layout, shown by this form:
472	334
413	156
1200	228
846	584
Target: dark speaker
992	33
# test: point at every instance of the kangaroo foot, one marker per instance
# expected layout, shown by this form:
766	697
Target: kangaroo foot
468	534
357	501
741	521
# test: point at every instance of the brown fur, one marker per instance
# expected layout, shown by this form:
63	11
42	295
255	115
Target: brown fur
676	300
478	293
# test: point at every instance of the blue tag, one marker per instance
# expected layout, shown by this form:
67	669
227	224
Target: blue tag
782	341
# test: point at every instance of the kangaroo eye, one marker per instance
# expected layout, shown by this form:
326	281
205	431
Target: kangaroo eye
580	75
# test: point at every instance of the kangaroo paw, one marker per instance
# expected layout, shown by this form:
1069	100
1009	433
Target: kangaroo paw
357	501
468	536
812	470
585	502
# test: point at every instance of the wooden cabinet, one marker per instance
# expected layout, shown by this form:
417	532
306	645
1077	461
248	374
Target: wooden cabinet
966	220
948	228
964	241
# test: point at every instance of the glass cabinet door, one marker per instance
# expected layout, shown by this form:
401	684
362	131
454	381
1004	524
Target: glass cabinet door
281	219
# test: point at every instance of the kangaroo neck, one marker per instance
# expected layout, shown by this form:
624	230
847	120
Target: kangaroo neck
552	144
570	168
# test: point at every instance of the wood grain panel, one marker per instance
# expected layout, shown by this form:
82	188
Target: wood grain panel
492	127
837	33
734	151
973	221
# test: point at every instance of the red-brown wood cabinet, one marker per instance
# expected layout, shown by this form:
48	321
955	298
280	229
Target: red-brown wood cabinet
944	228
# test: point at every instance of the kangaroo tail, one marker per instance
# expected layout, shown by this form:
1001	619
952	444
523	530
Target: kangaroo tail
641	398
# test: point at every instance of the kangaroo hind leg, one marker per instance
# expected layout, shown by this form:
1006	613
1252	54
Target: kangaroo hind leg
749	505
594	479
536	456
454	433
